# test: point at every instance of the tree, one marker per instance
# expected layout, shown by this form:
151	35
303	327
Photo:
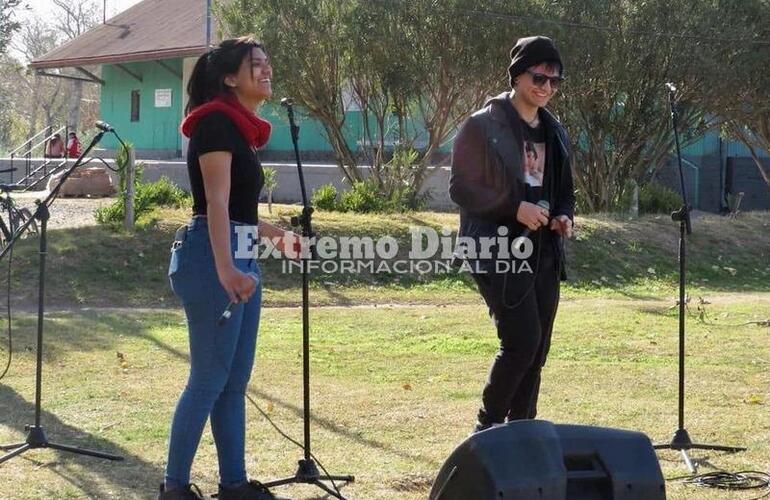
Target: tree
75	19
8	25
271	183
744	86
42	101
618	55
416	69
305	40
37	93
416	73
11	122
411	70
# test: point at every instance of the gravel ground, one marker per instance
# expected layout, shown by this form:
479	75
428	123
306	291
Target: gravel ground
65	212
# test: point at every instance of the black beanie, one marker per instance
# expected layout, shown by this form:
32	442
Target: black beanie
531	51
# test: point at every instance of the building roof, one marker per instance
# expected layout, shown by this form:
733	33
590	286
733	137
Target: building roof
150	30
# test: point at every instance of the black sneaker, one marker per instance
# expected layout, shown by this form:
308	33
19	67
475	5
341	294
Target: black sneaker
253	490
482	427
180	493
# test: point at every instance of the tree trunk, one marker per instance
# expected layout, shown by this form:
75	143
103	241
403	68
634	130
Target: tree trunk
738	131
33	112
73	107
345	157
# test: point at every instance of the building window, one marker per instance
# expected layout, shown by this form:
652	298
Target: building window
134	105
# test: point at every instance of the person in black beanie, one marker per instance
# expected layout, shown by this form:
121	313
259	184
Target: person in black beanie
510	161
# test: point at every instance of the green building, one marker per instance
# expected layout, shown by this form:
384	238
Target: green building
144	57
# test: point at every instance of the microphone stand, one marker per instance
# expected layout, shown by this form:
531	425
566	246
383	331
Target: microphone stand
36	437
681	440
307	473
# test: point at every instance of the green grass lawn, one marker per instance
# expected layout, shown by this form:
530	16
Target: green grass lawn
395	389
93	266
398	361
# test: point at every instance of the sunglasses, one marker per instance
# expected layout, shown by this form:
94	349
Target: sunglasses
539	79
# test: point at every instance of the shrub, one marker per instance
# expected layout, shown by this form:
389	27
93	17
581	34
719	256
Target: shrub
162	192
402	175
325	197
271	183
656	198
394	193
111	215
364	197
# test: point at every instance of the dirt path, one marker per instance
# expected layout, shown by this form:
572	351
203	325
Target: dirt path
589	302
65	212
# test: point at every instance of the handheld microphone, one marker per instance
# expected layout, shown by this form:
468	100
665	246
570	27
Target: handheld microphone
287	101
670	86
542	204
104	126
228	312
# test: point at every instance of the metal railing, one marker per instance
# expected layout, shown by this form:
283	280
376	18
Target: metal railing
24	153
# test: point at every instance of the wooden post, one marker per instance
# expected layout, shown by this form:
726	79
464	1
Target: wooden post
128	207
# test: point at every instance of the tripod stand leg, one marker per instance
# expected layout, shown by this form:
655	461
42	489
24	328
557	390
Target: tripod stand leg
346	479
81	451
11	446
18	451
688	462
717	447
281	482
328	490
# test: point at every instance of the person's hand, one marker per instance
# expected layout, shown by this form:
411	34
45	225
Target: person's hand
290	245
239	286
562	225
531	215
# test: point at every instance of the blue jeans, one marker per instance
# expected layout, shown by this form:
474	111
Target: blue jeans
221	358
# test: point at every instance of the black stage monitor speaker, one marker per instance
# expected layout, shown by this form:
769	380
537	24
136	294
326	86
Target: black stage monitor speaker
537	460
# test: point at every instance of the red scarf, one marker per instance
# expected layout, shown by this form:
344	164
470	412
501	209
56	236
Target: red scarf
254	129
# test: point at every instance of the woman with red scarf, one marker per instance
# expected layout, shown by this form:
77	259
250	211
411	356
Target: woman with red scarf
212	262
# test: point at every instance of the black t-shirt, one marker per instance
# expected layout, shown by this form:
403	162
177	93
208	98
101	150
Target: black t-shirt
535	147
216	132
534	160
536	165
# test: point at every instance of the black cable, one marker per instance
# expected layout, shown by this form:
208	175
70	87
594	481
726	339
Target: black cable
10	264
8	290
723	480
8	308
106	165
294	441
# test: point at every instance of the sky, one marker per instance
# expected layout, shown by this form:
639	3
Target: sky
46	8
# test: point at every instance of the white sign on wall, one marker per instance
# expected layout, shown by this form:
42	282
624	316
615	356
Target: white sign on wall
162	98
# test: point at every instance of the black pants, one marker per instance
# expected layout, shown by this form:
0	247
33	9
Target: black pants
523	308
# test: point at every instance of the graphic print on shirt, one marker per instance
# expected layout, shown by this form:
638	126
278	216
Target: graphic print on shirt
534	163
